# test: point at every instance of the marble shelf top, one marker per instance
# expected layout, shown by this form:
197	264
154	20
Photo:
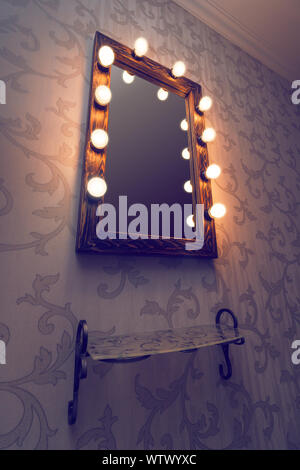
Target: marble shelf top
158	342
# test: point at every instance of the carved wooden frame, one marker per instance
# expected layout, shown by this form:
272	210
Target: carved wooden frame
94	162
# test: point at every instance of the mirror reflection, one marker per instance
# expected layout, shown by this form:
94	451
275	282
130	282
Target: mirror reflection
147	155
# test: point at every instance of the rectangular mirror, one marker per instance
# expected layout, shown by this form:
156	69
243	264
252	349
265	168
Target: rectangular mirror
153	157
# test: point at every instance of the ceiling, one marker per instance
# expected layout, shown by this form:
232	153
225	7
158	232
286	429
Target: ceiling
269	30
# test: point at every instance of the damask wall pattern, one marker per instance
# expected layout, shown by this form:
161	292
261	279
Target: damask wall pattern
174	401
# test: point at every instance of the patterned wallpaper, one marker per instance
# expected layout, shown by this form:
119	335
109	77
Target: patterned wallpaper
174	401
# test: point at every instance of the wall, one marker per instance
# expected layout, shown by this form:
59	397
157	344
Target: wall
174	401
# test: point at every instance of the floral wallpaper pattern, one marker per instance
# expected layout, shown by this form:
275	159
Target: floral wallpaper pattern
174	401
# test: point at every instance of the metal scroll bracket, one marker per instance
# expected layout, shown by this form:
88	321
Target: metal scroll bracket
228	373
80	370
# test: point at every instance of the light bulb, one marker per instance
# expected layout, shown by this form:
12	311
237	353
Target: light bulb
96	187
205	103
217	211
178	69
99	138
208	135
184	125
188	187
106	56
141	47
185	154
162	94
127	77
213	172
190	221
103	95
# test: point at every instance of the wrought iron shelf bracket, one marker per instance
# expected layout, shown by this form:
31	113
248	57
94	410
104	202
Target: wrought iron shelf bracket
220	334
226	375
80	368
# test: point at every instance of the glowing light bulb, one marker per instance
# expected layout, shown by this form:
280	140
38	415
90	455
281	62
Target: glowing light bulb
190	221
185	154
184	125
178	69
141	47
106	56
96	187
213	172
188	187
217	211
103	95
205	103
127	77
99	138
208	135
162	94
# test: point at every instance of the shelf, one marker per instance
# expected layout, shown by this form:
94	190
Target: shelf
139	346
158	342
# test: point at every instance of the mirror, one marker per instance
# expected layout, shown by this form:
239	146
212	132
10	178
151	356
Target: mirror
144	155
133	148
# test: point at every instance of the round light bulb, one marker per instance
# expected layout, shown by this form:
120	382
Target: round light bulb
190	221
141	47
178	69
208	135
96	187
217	211
185	154
127	77
99	138
162	94
106	56
103	95
184	125
205	103
188	187
213	172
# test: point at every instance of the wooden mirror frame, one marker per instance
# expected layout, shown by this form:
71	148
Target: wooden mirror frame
94	161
